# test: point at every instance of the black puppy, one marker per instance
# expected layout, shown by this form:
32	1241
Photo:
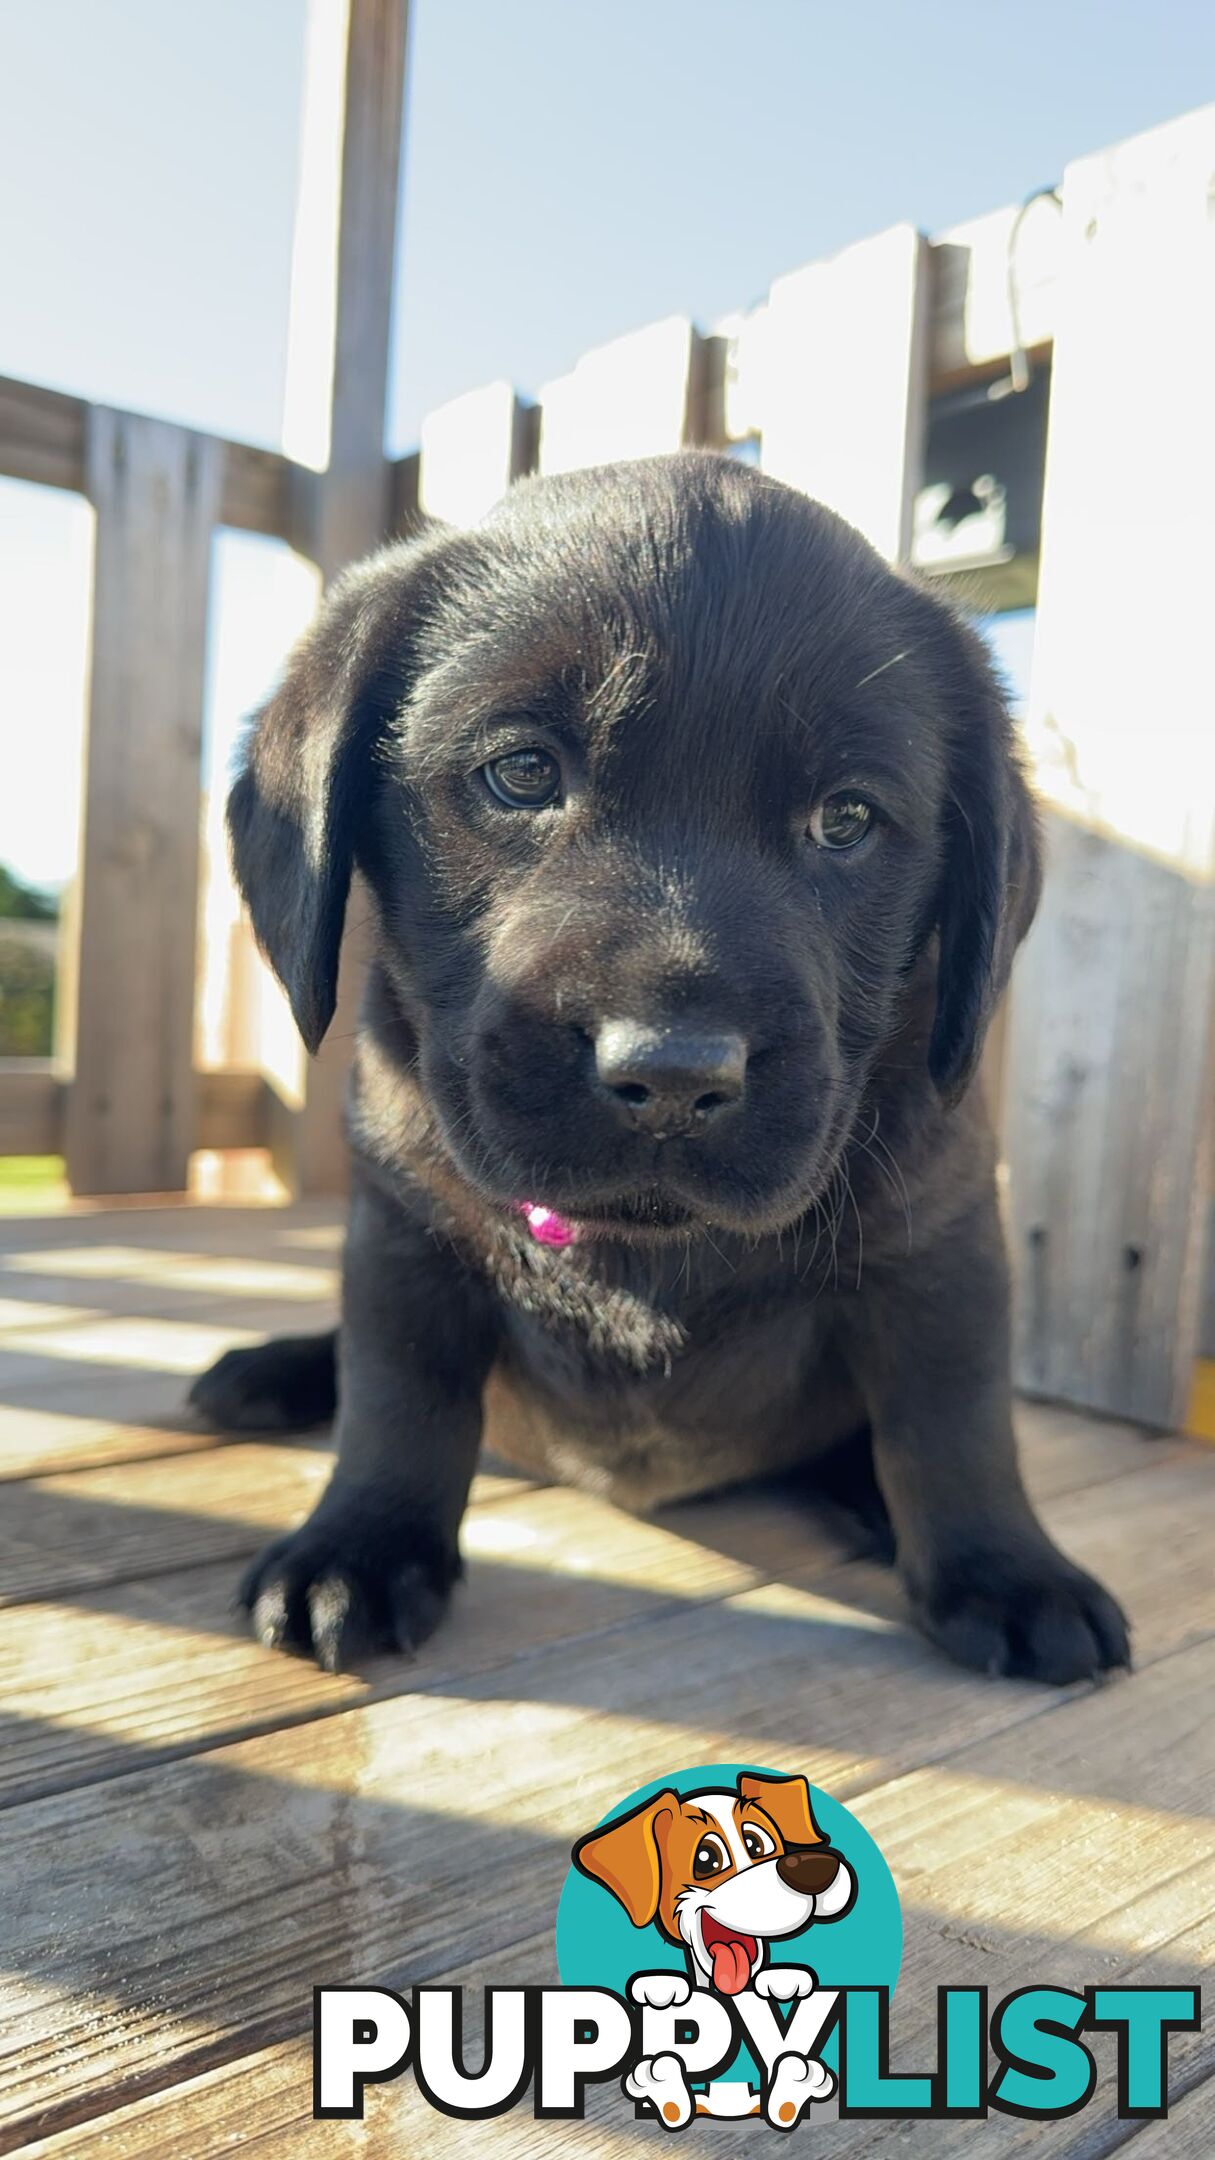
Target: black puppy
699	854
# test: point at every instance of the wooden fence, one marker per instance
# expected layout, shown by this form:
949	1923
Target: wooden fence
859	379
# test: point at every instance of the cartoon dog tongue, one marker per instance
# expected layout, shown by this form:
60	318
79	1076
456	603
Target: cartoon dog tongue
732	1956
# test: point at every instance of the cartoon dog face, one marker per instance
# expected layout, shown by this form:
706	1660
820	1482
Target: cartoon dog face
722	1872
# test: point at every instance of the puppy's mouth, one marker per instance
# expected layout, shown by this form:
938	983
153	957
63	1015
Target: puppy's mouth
733	1956
630	1217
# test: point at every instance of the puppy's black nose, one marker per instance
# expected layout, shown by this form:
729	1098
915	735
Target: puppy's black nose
808	1869
669	1081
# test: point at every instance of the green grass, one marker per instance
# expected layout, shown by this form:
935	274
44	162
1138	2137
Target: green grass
27	1179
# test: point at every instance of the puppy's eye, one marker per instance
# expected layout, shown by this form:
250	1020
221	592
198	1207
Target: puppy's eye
523	779
757	1842
840	821
710	1858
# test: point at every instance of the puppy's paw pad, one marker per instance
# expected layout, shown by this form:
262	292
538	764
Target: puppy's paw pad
1055	1624
341	1595
660	1990
795	2083
662	2080
784	1983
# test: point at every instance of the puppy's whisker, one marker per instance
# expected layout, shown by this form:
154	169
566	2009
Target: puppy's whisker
893	661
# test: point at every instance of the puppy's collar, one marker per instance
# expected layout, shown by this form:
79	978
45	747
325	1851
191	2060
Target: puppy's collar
546	1226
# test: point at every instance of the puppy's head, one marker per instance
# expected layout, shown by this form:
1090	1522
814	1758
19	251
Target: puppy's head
722	1873
665	788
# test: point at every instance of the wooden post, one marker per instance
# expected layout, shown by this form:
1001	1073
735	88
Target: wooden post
844	371
337	396
1110	1024
131	1111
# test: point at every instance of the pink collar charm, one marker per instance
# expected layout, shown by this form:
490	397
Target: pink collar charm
546	1226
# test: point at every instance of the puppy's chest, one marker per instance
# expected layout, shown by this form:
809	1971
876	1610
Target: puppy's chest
645	1404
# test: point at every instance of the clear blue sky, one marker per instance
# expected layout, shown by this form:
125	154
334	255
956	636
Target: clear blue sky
573	170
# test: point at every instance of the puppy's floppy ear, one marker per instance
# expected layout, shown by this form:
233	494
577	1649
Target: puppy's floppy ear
296	808
786	1801
624	1856
992	874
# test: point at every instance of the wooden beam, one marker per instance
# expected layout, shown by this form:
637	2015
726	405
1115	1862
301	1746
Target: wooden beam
42	439
41	435
338	365
31	1107
155	490
234	1109
1111	1017
845	378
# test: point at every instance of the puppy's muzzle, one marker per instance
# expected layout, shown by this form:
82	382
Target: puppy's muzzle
669	1082
807	1869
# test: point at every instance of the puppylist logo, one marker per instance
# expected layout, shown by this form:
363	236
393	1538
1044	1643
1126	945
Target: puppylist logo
728	1941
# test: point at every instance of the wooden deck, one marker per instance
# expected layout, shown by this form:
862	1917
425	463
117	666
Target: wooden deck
196	1830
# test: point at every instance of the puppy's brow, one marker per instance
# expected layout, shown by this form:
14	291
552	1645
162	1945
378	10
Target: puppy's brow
620	683
875	672
695	1814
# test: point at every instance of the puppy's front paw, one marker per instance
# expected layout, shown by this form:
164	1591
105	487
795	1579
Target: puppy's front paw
1032	1617
794	2084
342	1588
784	1983
288	1385
662	2080
660	1990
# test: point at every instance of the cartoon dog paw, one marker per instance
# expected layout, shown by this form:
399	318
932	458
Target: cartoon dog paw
661	2080
784	1983
660	1990
794	2084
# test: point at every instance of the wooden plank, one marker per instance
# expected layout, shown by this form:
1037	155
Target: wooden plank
1103	1112
627	399
1109	1086
472	448
845	370
263	2101
124	1523
204	1898
170	1669
145	1557
66	1434
1188	2130
132	1522
130	1119
338	359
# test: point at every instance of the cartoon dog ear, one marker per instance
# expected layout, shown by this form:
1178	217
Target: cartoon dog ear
786	1800
298	804
992	874
625	1858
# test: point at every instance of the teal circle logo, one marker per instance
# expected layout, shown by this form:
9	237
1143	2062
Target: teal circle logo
716	1881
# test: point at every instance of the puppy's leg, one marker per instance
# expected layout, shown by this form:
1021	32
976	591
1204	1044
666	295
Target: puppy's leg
286	1385
373	1566
930	1351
